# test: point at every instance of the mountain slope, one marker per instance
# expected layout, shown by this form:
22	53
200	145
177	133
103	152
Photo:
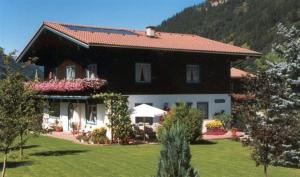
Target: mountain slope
247	23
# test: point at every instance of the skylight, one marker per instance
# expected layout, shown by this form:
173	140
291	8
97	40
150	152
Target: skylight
100	30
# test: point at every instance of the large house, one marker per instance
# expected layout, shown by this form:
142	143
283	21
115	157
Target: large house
155	68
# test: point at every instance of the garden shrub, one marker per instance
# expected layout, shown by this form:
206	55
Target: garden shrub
98	135
190	118
226	120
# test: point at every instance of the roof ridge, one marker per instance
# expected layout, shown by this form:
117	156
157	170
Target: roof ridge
90	26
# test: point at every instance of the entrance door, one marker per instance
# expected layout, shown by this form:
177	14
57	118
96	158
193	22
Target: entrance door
203	107
70	115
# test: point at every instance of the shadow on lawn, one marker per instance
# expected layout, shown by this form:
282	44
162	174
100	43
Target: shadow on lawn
24	147
58	153
204	142
16	164
31	146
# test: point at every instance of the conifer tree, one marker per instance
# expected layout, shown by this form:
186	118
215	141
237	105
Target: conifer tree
286	103
175	154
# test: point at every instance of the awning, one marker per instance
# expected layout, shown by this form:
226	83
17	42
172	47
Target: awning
145	110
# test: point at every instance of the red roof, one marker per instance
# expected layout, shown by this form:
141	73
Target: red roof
99	36
237	73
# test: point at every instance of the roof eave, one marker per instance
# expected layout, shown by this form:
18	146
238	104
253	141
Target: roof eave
178	50
37	34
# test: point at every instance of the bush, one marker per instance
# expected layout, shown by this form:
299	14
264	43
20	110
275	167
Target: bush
190	118
175	153
98	135
226	119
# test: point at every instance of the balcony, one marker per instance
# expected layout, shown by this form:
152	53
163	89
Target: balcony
68	86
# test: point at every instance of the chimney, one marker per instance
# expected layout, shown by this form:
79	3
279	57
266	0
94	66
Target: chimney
150	31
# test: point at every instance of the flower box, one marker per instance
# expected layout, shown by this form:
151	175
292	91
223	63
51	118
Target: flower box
67	85
215	131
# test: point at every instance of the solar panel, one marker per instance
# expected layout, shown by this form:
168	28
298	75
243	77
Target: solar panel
101	30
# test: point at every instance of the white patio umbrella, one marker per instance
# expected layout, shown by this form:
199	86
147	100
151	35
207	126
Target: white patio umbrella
145	110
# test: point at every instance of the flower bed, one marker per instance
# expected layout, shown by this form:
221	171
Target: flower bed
215	127
67	85
216	131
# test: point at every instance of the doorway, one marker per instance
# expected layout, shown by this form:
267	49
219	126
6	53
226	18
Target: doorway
70	115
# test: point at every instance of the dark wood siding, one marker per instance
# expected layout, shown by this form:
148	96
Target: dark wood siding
117	66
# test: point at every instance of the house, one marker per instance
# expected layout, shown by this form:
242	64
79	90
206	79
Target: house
237	76
155	68
238	90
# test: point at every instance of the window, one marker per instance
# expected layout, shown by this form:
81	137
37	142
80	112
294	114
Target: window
219	101
91	114
70	72
53	74
54	109
203	107
192	74
189	104
91	71
142	73
148	120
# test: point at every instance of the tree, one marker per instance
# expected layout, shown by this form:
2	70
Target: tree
30	115
20	112
175	154
262	126
273	116
190	118
286	105
8	116
118	115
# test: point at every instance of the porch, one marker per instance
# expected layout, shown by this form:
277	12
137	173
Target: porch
74	113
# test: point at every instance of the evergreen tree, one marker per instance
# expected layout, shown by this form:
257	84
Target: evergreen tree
273	116
286	104
175	154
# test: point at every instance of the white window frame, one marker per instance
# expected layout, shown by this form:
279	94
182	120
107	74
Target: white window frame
91	74
74	73
147	74
195	69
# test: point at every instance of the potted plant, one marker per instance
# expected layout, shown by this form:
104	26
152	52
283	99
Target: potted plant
80	138
234	132
58	127
86	138
74	128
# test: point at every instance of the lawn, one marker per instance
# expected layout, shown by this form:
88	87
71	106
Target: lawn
50	157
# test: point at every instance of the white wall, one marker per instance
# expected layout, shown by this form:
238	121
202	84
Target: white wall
64	115
80	115
159	101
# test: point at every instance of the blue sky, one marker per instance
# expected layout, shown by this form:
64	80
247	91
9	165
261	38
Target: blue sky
19	19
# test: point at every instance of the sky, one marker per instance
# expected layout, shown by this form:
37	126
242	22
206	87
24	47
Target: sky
20	19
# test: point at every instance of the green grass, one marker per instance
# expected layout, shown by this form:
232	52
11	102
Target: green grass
50	157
